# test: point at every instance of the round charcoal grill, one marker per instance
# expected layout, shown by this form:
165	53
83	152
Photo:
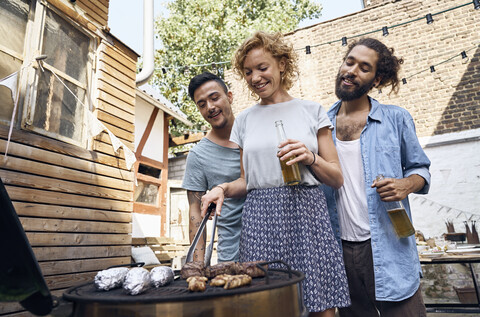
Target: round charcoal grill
277	294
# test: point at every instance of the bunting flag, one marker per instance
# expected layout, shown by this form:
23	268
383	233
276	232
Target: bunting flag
448	211
96	127
11	83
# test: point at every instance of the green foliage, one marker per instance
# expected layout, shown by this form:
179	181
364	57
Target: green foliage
206	31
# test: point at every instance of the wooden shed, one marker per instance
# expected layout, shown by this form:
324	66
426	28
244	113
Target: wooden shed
68	122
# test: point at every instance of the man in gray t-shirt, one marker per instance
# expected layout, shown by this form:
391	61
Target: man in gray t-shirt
213	161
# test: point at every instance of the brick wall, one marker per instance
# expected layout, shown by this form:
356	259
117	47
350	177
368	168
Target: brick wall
441	102
176	167
371	3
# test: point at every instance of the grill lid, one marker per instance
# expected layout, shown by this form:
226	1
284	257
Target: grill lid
20	276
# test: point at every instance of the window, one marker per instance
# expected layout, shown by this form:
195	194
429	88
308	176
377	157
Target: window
147	190
13	23
146	193
55	96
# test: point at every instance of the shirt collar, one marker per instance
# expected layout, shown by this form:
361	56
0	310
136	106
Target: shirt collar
375	112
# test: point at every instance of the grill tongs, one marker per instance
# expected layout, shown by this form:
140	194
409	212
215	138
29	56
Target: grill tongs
209	248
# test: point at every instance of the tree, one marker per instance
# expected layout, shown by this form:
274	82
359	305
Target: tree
202	32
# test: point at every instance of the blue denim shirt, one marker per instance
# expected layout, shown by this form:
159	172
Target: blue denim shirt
389	146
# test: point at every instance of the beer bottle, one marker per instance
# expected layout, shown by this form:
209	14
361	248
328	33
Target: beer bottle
400	220
291	173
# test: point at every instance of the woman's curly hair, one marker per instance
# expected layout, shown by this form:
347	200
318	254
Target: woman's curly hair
274	44
388	65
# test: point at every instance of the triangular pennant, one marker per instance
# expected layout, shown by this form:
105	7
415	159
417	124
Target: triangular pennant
129	157
11	83
116	143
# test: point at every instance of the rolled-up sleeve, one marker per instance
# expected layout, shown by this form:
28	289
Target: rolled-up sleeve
414	159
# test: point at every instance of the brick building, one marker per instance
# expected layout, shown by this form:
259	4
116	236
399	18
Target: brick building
443	103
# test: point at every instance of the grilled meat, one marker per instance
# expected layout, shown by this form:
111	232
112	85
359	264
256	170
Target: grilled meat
237	281
249	268
234	268
197	283
220	280
231	281
221	268
195	268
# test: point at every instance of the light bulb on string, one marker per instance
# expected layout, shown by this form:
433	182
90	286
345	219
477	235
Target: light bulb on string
465	57
429	18
476	4
385	31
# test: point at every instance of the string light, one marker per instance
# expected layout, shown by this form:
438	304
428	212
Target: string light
463	54
429	18
385	31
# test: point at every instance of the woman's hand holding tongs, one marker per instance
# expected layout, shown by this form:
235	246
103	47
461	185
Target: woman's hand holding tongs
216	195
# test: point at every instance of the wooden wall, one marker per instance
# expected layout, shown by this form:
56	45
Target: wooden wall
75	204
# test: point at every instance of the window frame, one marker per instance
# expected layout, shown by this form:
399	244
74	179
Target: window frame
21	57
28	86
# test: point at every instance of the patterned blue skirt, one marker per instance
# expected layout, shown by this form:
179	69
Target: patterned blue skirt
291	224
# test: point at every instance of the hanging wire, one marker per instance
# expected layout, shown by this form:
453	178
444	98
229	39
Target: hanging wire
189	66
343	40
389	27
442	62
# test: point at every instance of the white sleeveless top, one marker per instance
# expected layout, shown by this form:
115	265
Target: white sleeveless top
351	197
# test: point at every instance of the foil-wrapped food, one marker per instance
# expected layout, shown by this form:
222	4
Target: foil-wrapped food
161	275
108	279
137	281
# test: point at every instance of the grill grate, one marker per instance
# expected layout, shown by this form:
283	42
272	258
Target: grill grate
177	290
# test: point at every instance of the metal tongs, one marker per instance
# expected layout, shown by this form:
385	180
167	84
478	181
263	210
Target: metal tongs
209	249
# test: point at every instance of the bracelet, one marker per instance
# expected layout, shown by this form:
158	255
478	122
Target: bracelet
221	188
314	158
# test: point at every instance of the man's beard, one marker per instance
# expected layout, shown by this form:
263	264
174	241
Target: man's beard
351	95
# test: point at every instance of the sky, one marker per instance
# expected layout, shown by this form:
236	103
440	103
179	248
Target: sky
126	21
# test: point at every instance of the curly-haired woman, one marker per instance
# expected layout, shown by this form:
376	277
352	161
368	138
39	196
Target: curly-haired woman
280	222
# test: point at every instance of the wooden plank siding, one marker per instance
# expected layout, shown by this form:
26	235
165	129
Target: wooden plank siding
94	10
75	204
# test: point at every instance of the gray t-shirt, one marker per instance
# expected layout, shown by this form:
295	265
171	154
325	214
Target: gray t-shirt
254	131
209	164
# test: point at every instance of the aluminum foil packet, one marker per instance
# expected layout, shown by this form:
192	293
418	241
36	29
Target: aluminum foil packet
161	276
137	281
110	278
